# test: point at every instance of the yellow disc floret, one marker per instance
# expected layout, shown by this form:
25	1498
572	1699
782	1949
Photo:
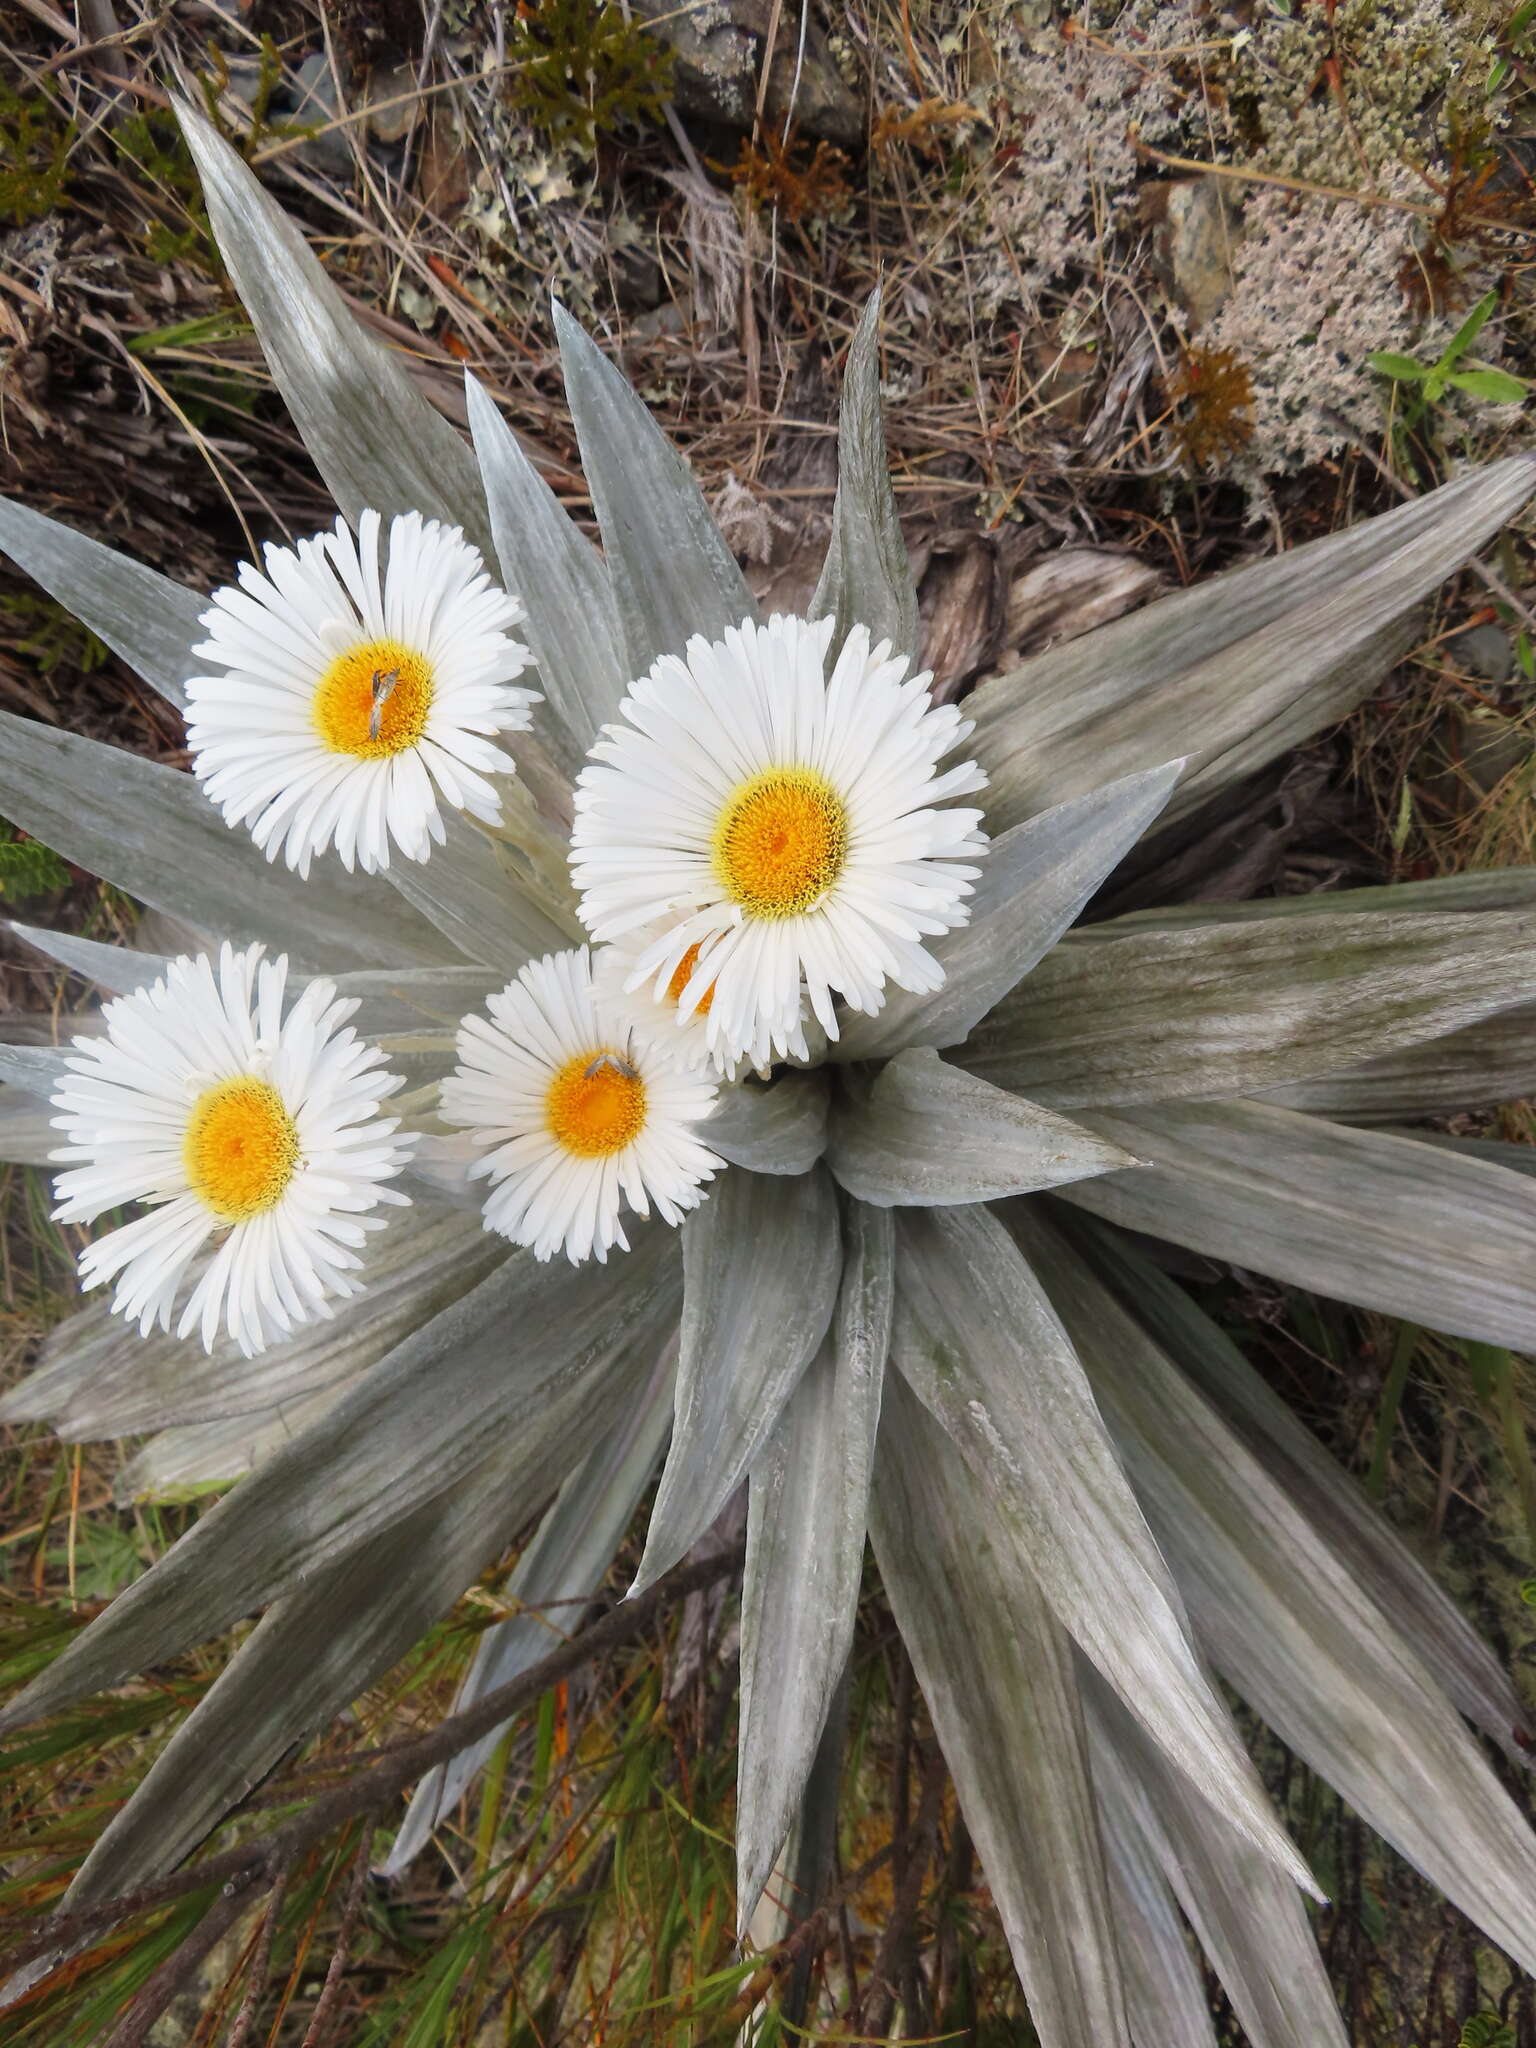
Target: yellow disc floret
373	700
241	1148
781	842
595	1104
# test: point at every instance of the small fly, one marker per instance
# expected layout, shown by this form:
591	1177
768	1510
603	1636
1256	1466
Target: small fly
621	1063
384	683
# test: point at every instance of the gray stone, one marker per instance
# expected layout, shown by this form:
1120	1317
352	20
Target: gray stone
1485	650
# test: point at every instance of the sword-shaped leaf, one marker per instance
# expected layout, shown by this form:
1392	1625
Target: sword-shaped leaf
928	1135
1288	1623
1493	889
780	1128
151	622
100	1378
1357	1531
152	832
996	1671
1491	1061
867	579
27	1135
1246	665
474	892
978	1341
117	969
1230	1009
1165	1993
571	1554
318	1647
370	432
1034	880
673	575
572	624
1249	1920
1386	1222
806	1517
761	1263
525	1356
37	1069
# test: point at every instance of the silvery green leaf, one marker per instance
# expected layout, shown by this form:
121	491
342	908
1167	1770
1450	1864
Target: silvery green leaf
370	432
808	1861
310	1655
980	1344
27	1135
152	832
1286	1621
1492	1151
37	1069
390	1000
1220	1010
928	1135
100	1378
1246	664
867	579
206	1457
1482	1064
1494	889
570	1555
777	1128
572	624
474	892
1385	1222
1250	1922
673	575
1165	1995
1360	1535
996	1671
761	1262
1034	880
151	622
806	1517
118	969
527	1356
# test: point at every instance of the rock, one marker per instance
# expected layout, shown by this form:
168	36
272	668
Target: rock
394	107
719	52
1485	650
1197	225
313	99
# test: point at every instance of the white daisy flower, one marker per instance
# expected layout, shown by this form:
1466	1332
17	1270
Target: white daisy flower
236	1125
353	694
575	1113
790	829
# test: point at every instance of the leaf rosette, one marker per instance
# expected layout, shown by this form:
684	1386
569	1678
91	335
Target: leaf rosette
915	1301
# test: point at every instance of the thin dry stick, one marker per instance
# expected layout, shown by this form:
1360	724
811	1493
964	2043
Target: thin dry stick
330	1990
176	1973
264	1857
261	1962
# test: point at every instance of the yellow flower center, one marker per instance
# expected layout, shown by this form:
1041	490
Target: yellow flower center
680	979
781	842
241	1148
595	1104
373	700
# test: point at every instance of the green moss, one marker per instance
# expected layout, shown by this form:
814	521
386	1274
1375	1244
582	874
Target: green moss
28	868
152	143
49	636
580	69
35	142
